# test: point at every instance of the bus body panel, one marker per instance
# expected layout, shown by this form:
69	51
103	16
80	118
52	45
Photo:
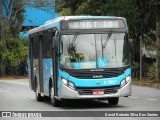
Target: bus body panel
65	92
93	82
56	22
36	72
29	74
47	73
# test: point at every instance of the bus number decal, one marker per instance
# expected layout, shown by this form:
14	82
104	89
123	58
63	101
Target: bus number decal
112	82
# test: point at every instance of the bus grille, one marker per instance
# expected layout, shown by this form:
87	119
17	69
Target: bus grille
88	91
95	73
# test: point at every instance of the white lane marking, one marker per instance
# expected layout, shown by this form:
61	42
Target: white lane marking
151	99
20	83
134	97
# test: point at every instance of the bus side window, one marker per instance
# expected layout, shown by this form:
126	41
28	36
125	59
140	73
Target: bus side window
35	48
46	46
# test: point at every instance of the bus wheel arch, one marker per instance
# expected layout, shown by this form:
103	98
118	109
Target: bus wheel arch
50	83
55	102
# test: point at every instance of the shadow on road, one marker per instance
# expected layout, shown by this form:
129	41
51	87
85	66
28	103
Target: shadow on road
86	104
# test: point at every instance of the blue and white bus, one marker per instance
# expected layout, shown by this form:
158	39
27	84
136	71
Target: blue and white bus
80	57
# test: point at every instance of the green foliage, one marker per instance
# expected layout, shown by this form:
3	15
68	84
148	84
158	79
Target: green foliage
135	69
81	7
1	52
15	56
143	17
66	11
152	72
13	50
150	41
91	7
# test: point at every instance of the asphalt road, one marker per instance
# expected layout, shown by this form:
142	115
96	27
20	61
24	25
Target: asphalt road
15	95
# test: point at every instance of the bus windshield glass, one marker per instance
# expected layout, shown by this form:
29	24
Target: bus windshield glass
89	51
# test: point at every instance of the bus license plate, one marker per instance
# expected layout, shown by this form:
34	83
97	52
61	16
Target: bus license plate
98	92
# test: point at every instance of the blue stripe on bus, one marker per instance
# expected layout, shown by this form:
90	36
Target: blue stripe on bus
47	73
93	82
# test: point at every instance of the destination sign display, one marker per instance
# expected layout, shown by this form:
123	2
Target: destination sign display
93	24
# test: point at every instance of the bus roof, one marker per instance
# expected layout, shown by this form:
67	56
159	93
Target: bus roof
80	17
70	18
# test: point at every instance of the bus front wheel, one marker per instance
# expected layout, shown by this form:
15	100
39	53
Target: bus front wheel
53	100
113	101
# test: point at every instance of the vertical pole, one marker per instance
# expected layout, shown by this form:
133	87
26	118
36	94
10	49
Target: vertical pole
140	72
157	77
140	58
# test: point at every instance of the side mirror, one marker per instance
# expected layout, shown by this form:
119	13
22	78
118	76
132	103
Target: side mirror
55	40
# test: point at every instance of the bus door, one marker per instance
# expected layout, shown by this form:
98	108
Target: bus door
55	62
40	61
34	59
31	72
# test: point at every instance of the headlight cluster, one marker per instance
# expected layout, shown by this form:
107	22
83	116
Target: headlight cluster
68	83
125	81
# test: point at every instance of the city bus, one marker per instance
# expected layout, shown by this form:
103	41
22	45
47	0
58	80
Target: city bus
80	57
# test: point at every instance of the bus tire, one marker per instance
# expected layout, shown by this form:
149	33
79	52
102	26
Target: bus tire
113	101
38	96
53	100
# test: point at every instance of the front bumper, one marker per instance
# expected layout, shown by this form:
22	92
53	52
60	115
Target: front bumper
68	93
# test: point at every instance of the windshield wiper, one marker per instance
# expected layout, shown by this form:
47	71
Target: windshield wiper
106	41
71	45
102	48
74	38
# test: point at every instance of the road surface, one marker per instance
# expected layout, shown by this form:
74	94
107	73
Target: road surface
15	95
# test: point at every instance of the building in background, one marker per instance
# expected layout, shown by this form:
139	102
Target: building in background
35	17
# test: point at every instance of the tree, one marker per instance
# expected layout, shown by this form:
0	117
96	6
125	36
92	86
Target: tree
67	7
155	40
142	17
11	19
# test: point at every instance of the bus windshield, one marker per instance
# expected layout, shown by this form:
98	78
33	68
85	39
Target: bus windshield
89	51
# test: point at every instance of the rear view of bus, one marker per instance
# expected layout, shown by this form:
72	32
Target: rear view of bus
90	59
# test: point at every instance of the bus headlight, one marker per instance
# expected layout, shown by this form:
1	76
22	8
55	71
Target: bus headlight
64	81
125	81
128	78
68	83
